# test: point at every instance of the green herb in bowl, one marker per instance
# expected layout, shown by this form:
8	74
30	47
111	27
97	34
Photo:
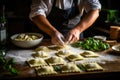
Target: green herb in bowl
92	44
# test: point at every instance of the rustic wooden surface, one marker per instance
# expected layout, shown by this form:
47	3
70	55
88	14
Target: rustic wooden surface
111	70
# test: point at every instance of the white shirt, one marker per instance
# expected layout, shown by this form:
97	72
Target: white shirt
43	7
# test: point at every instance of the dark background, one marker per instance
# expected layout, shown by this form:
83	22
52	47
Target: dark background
17	14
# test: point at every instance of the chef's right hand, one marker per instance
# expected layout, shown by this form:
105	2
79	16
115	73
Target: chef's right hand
57	39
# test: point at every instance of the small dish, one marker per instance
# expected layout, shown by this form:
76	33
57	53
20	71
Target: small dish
116	48
103	38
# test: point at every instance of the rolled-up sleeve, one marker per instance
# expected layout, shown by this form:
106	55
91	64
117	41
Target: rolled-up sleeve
38	7
92	5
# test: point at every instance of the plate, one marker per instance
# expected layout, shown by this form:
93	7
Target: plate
116	48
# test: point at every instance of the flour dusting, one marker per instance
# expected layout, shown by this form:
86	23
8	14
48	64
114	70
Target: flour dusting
21	56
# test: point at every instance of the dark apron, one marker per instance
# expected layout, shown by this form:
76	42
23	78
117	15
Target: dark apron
59	17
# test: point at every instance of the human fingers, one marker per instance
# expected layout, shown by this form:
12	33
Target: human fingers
61	40
71	39
58	39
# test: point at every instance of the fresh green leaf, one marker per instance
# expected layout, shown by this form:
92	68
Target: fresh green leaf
13	71
8	65
11	61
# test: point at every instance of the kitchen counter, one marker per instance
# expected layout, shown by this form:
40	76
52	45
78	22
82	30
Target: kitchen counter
110	63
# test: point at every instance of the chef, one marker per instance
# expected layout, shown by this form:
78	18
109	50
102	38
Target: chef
63	20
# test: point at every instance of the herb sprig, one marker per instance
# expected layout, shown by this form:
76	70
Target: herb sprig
8	65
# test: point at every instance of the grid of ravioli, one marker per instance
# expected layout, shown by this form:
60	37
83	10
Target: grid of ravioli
62	58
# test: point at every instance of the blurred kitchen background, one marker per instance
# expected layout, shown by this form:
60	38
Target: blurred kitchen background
17	12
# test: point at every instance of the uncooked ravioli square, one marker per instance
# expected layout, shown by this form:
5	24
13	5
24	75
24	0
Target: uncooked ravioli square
45	70
74	57
93	66
36	62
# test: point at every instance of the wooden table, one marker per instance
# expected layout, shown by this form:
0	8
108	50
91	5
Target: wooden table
111	71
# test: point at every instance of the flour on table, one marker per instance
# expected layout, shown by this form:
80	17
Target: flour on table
21	56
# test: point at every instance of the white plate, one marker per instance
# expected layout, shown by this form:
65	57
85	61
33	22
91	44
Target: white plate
116	48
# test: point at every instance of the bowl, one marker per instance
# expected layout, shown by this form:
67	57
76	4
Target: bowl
103	38
26	40
116	48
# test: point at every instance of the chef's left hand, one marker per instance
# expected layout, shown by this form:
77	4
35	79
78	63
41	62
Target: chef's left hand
72	36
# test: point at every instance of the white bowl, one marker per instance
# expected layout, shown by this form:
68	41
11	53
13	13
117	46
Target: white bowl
25	43
116	48
103	38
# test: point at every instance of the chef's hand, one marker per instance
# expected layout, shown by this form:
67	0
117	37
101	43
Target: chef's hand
58	39
72	36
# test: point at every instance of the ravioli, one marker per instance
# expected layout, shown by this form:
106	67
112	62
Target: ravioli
63	53
89	54
40	54
74	57
92	66
56	47
26	37
43	48
70	67
36	62
45	70
54	60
